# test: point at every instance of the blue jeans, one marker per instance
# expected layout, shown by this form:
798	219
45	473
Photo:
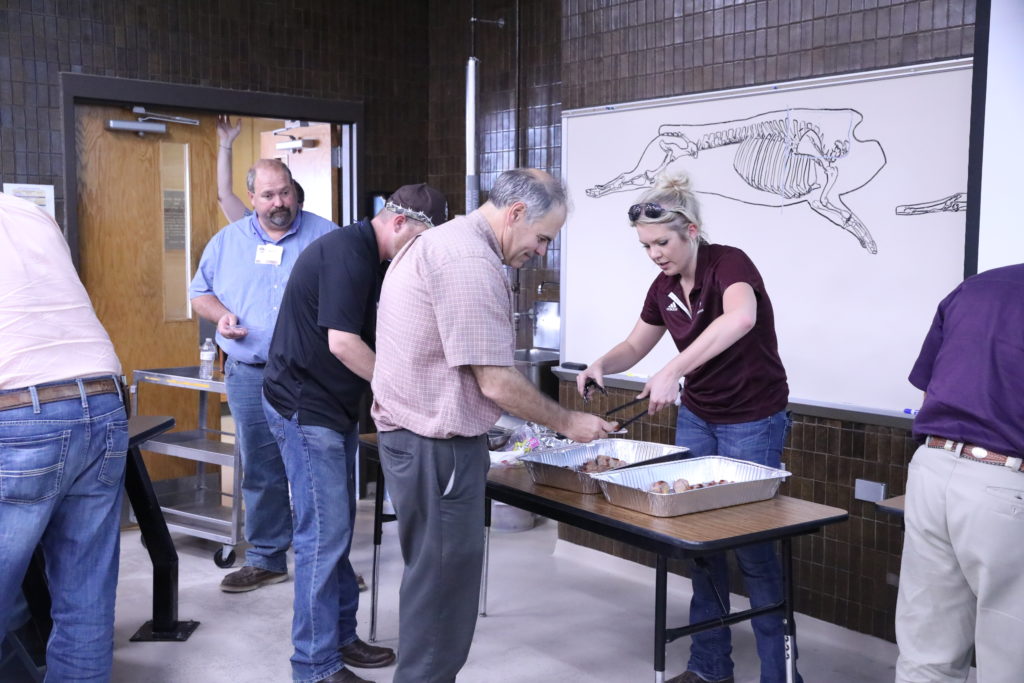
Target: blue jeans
61	479
321	468
268	516
760	441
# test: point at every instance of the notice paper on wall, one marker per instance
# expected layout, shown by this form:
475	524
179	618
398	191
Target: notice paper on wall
40	195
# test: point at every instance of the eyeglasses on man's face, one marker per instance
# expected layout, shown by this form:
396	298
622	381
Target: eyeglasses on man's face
409	213
652	210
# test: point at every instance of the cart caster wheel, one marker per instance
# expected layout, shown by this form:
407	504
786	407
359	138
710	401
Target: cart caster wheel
224	561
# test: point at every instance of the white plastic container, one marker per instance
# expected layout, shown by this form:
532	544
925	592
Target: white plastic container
508	518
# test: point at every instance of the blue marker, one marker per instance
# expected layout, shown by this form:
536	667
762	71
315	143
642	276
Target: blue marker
911	411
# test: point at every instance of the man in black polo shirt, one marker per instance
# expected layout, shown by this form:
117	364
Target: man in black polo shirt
320	364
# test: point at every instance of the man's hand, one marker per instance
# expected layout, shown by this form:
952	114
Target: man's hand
228	327
584	427
226	133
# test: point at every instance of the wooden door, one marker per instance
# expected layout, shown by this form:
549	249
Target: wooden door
312	166
134	266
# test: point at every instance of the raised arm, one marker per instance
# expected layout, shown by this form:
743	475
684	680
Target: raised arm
230	204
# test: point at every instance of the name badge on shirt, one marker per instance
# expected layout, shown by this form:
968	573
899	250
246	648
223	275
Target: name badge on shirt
269	254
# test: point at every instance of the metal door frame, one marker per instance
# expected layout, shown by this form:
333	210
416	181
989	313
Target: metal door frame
104	90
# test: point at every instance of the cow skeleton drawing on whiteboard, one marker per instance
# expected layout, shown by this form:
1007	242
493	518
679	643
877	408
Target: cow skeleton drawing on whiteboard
778	158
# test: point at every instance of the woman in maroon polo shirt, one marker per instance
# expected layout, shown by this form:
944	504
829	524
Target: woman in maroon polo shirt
712	301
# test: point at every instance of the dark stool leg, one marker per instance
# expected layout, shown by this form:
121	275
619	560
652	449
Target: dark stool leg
165	624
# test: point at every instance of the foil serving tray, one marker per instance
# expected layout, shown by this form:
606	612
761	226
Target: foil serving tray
558	466
749	482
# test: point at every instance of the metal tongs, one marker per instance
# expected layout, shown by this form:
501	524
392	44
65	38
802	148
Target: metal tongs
622	427
589	385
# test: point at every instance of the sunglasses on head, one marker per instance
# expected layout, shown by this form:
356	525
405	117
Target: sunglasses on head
652	210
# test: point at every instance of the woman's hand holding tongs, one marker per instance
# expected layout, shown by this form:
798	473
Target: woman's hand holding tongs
662	389
590	380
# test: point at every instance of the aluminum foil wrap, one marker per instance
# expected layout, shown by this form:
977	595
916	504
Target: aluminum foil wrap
558	467
630	488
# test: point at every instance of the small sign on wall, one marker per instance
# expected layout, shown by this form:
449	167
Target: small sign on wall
40	195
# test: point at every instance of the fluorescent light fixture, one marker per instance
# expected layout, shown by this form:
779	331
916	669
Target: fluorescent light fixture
140	127
295	145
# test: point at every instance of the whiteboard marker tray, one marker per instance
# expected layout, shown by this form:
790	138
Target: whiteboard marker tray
749	482
559	467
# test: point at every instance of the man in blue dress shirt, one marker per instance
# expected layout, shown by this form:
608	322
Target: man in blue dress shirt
239	285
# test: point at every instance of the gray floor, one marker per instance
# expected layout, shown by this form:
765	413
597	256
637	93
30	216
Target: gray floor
556	612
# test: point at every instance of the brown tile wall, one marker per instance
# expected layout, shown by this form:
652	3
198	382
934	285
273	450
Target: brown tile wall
616	51
372	51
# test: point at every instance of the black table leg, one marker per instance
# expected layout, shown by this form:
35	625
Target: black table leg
660	598
378	533
789	639
165	624
487	556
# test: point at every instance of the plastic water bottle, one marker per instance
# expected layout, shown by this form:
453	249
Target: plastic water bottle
207	354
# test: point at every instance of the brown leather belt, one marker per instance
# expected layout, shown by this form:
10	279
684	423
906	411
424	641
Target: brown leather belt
968	450
57	392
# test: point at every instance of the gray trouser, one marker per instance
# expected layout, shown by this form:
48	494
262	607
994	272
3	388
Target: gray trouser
437	489
961	586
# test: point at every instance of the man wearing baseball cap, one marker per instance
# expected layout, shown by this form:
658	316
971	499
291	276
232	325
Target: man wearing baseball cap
320	364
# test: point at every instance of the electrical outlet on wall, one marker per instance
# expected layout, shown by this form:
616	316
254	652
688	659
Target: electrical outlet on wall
870	491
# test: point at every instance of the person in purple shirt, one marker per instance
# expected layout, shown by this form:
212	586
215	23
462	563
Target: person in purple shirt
961	583
712	301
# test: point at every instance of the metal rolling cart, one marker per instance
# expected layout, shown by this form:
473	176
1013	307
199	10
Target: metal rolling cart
198	511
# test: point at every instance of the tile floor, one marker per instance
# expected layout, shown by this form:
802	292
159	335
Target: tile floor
555	612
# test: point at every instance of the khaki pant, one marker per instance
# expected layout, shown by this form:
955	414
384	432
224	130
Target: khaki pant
962	579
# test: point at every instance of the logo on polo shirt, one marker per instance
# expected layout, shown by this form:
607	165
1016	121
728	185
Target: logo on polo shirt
672	306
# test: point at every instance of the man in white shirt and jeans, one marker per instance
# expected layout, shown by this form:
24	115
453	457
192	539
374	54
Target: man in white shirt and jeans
63	443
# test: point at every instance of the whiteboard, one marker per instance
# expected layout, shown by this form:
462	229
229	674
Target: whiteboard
1001	238
851	310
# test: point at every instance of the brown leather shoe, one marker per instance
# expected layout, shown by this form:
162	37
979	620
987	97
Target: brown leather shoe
249	579
343	676
365	656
